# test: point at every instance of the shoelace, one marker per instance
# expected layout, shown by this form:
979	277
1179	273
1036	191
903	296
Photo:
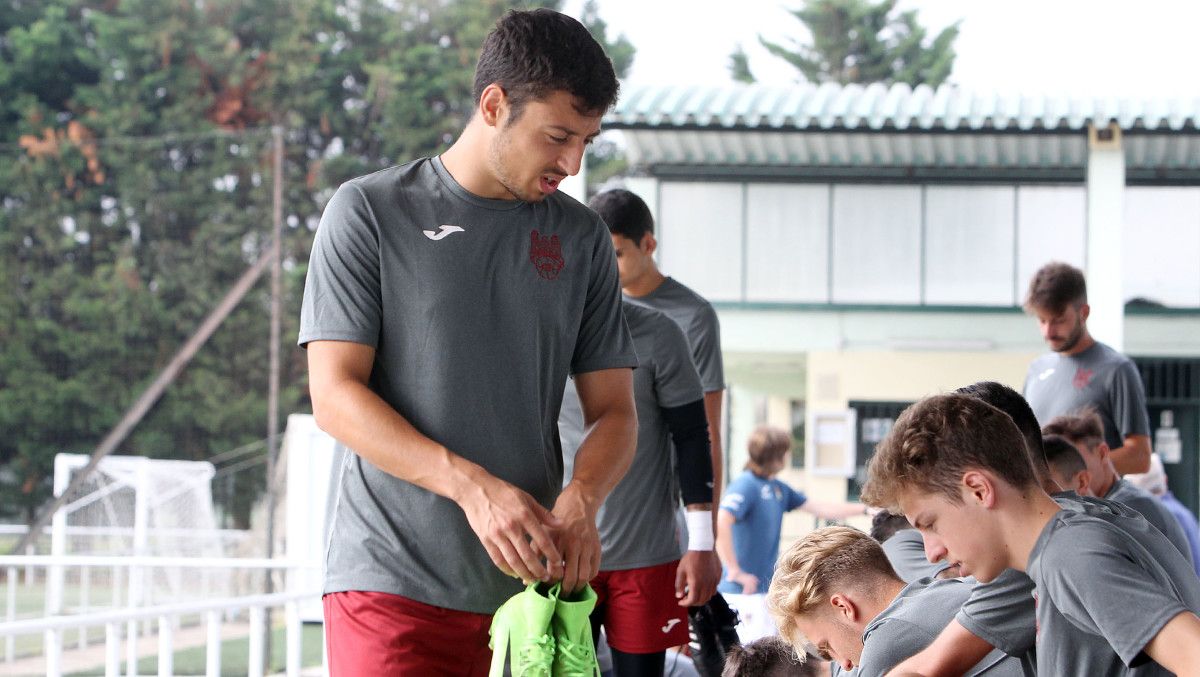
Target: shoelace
535	658
576	660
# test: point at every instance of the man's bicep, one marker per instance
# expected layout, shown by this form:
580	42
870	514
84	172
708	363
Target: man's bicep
332	361
603	390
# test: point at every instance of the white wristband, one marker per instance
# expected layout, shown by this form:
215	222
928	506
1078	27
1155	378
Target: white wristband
700	529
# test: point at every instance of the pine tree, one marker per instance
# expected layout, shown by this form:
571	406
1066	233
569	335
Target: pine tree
863	41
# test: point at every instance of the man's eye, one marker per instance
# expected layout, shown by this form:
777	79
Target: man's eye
558	139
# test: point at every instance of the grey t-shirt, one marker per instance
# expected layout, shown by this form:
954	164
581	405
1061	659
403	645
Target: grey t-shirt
1001	612
698	319
912	621
906	551
1099	377
1154	511
477	310
1102	593
637	520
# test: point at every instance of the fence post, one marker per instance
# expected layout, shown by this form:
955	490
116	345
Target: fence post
212	662
257	626
112	649
166	647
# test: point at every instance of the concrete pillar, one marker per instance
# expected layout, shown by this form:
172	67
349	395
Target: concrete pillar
1105	221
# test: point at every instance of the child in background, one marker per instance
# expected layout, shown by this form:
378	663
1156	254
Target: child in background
749	523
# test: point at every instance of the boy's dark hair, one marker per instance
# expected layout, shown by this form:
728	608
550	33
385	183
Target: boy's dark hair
885	524
532	54
937	440
1054	287
767	657
1063	455
1014	404
1083	427
624	213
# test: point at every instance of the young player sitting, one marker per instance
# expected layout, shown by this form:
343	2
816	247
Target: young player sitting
1108	599
835	590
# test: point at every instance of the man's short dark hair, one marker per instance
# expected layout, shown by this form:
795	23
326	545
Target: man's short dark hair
1063	456
767	657
624	213
532	54
1012	403
885	524
1054	287
1082	427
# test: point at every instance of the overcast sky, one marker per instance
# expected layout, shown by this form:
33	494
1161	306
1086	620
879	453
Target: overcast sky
1144	49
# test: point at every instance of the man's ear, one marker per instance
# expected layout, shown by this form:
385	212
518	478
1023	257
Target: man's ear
1084	311
648	244
493	103
844	606
1083	483
1102	450
979	487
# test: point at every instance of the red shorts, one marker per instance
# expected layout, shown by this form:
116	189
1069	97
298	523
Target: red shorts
639	609
376	633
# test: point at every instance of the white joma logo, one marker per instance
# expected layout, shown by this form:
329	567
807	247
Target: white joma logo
446	230
670	624
1041	377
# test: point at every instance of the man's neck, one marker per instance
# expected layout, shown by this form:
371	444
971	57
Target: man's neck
888	592
1086	341
1109	483
1026	520
645	284
464	161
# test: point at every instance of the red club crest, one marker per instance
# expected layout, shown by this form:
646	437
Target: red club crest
1082	378
545	253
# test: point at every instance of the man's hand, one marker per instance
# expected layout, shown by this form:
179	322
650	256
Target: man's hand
514	529
577	538
697	577
747	580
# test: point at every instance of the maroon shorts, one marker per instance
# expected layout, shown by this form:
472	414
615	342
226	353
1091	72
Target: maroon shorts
639	609
376	633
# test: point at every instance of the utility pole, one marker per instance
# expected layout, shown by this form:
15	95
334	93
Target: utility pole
273	387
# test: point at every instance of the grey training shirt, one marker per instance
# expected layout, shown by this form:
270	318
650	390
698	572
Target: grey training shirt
637	520
1103	593
698	319
1154	511
1099	377
478	309
912	621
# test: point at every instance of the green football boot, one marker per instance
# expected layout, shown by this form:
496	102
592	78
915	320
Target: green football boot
522	627
575	655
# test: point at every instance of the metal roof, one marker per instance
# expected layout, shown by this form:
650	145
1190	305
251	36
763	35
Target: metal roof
831	131
880	107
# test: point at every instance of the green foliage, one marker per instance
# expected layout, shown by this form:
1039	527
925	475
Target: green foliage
135	188
739	66
864	41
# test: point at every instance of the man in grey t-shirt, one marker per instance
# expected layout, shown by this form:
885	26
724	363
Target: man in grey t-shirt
447	300
834	590
632	227
644	586
1081	373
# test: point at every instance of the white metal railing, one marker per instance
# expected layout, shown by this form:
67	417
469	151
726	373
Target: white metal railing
133	569
55	626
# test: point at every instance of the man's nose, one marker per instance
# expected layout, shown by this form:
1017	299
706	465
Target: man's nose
934	550
572	158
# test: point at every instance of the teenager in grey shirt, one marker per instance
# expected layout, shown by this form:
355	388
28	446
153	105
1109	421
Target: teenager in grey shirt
949	465
644	586
1081	373
835	593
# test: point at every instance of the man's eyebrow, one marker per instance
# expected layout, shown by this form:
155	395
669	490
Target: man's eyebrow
571	132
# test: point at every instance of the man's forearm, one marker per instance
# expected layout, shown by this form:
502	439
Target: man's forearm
1133	456
605	454
713	403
